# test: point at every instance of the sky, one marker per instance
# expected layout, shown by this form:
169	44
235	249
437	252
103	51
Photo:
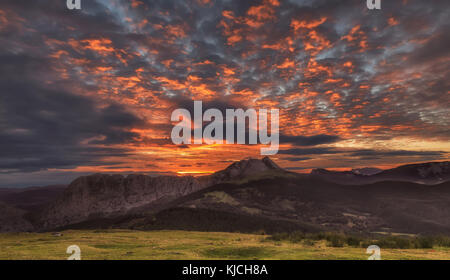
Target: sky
92	90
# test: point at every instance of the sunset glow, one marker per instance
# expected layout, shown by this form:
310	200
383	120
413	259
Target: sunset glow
93	90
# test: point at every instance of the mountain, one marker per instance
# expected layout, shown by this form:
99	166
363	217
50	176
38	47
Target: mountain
306	204
247	196
31	198
423	173
101	195
248	169
430	173
13	219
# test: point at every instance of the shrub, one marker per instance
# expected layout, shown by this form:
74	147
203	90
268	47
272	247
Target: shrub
309	242
441	241
395	242
387	242
279	236
297	236
354	241
424	242
336	240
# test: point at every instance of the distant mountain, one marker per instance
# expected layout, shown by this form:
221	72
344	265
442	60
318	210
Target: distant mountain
423	173
13	219
32	198
430	173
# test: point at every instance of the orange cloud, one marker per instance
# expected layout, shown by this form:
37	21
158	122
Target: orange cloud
355	35
170	84
286	64
204	2
3	19
102	45
392	21
238	28
263	12
176	30
136	3
315	68
297	24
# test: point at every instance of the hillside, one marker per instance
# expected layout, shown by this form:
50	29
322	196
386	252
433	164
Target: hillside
287	204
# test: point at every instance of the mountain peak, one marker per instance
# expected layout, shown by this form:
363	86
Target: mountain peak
246	167
270	164
251	165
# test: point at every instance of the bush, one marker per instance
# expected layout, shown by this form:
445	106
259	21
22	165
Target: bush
354	241
279	236
294	237
309	242
424	242
387	242
336	240
395	242
441	241
320	236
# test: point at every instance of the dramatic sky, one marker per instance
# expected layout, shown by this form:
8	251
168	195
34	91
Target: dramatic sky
92	90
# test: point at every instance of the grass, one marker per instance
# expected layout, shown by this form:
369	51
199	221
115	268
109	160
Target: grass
127	244
222	197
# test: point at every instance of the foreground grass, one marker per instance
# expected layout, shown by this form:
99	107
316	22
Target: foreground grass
157	245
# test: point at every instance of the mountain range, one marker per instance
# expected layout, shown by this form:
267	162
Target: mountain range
249	195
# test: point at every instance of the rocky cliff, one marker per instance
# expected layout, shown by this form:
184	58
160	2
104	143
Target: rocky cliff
102	195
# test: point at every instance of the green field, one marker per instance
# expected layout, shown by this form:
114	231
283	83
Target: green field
174	245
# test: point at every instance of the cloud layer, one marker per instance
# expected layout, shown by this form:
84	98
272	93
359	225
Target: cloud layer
92	90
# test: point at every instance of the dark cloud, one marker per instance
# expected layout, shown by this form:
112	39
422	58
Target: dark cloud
297	158
376	154
361	153
42	127
309	140
297	168
436	48
309	151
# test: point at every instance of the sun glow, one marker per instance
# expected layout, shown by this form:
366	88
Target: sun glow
195	172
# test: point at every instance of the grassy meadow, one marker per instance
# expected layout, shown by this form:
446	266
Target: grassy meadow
176	245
